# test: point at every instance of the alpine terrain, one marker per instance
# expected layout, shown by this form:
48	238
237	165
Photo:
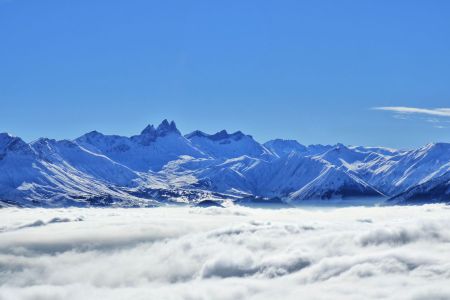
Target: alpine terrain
162	166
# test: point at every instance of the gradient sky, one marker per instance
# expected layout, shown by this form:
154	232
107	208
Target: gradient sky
306	70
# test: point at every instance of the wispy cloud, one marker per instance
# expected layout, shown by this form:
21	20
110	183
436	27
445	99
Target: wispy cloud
441	112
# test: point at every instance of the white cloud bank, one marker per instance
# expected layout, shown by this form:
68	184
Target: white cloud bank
441	112
232	253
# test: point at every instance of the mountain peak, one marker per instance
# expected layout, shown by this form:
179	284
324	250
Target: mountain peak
340	146
5	138
196	133
92	135
282	147
150	129
13	143
223	134
5	134
163	129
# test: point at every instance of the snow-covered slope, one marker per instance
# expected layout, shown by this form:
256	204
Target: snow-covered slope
335	183
160	164
379	150
341	155
69	154
231	176
288	174
434	190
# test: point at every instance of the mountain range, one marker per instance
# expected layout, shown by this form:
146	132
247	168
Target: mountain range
161	165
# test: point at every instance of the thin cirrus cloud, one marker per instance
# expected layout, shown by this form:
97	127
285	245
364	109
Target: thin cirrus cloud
440	112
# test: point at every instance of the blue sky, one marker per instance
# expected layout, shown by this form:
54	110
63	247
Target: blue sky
306	70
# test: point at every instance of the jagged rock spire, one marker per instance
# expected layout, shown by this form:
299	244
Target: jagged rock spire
165	127
162	130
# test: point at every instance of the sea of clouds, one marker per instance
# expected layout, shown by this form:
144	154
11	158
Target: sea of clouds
231	253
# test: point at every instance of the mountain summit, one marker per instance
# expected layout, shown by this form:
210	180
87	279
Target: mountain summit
163	129
150	134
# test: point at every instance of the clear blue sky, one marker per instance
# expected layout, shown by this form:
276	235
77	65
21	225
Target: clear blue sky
305	70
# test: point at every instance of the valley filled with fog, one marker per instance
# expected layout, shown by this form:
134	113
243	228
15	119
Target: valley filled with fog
398	252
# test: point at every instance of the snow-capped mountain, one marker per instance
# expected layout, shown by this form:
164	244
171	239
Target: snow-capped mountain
161	165
399	172
292	178
150	150
51	173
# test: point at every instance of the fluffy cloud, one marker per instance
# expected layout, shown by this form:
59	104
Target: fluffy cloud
232	253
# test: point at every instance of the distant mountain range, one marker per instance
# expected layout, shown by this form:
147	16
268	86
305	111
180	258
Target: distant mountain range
160	165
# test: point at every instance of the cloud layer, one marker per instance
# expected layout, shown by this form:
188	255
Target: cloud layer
232	253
